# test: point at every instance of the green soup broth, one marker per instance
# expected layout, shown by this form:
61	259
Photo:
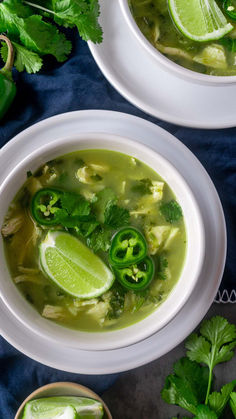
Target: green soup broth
132	182
154	21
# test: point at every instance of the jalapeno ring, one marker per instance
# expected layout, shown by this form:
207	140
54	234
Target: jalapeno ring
45	204
128	246
136	277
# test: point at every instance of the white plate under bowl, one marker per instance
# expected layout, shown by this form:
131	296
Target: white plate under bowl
138	77
104	362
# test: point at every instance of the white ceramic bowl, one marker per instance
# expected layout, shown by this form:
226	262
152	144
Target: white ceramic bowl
31	319
166	62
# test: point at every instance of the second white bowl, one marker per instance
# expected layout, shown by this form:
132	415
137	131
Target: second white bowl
27	315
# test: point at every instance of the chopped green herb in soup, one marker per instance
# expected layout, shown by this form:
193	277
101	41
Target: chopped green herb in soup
95	240
198	35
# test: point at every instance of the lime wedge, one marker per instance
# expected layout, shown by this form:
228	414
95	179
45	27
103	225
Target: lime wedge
69	406
199	20
73	267
67	412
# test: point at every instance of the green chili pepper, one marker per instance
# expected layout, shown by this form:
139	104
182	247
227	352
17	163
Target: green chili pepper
137	276
7	86
230	8
45	205
128	246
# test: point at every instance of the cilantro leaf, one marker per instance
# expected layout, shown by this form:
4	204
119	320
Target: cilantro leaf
44	38
215	345
233	403
218	400
75	204
86	228
81	13
69	13
116	302
100	239
182	388
24	58
116	216
35	34
204	412
75	212
171	211
104	198
142	186
162	264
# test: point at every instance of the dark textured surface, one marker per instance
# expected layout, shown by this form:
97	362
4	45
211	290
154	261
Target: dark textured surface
74	85
136	393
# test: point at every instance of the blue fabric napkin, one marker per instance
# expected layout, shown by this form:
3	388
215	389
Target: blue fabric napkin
79	84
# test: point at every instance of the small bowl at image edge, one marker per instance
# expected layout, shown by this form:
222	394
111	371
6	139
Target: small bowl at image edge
63	389
170	65
195	251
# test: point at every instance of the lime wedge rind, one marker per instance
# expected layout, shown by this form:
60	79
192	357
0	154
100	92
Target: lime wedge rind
73	267
199	20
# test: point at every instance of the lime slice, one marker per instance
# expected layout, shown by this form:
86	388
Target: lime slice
73	267
199	20
71	407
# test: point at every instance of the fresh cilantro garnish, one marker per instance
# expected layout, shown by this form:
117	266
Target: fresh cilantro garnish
29	173
213	346
218	400
100	239
190	385
171	211
86	228
204	412
116	302
115	216
142	186
229	43
32	31
29	25
162	264
104	198
79	163
75	204
24	58
80	13
182	387
107	210
233	403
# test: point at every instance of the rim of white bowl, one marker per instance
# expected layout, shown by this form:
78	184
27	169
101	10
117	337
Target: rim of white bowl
121	341
166	62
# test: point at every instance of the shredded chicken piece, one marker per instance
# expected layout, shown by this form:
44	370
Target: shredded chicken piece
27	278
12	225
177	52
54	312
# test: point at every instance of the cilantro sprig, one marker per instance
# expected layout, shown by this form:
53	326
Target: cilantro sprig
190	385
142	186
95	221
171	211
34	28
162	265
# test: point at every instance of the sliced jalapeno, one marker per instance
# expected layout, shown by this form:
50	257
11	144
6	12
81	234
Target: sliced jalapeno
137	276
128	246
230	8
45	205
